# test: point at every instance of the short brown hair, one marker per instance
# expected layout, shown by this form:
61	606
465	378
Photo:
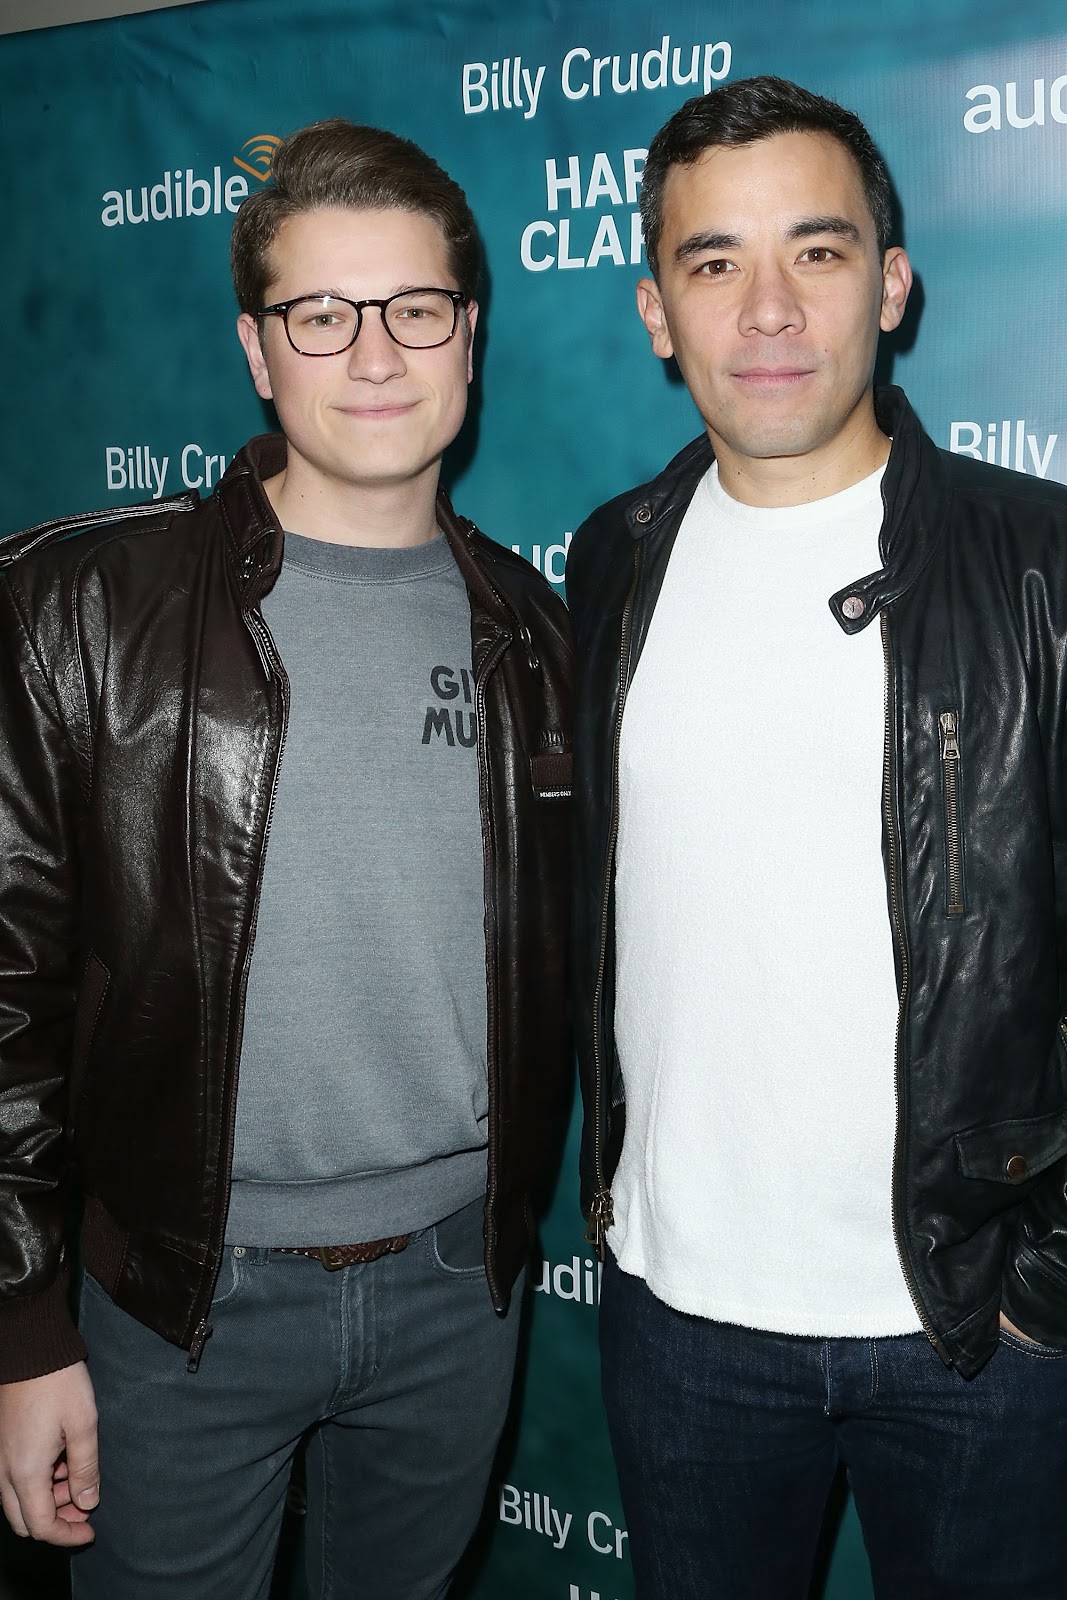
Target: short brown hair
744	113
339	164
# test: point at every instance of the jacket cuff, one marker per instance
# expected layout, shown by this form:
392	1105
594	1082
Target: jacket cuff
37	1334
1034	1298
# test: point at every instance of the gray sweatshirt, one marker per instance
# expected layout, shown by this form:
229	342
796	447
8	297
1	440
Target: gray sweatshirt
362	1101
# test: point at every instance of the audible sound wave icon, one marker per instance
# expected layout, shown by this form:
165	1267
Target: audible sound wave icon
260	152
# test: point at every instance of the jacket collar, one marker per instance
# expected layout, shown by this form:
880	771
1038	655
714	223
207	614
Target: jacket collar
255	534
914	494
257	538
462	535
646	507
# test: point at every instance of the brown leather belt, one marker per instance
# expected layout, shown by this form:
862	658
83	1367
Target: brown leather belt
335	1256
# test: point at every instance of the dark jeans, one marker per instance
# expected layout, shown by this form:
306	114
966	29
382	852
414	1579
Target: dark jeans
727	1440
399	1372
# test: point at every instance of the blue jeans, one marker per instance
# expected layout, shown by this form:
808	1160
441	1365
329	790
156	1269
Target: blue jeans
727	1440
398	1374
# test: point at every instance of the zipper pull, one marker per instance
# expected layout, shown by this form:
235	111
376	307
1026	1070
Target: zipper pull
601	1217
950	749
531	654
200	1337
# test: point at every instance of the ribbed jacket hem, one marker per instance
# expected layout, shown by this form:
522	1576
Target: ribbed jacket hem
37	1333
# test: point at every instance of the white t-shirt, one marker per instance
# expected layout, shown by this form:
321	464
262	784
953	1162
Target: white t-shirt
756	1000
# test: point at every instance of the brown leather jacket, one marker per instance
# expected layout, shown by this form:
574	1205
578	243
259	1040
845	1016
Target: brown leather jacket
142	717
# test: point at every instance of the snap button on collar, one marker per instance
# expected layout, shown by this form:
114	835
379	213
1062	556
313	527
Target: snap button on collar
853	606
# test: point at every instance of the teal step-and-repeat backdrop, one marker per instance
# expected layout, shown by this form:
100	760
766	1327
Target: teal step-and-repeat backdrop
128	145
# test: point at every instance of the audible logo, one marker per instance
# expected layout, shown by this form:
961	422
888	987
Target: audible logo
260	152
182	193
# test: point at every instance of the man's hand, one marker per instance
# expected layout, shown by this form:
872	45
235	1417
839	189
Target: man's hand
49	1477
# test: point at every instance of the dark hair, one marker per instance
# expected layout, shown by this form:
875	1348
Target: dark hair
342	165
743	113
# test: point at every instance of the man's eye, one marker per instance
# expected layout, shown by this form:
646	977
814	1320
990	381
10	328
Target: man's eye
818	253
314	317
719	268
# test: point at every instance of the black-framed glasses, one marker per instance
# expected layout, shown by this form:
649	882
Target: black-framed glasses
326	324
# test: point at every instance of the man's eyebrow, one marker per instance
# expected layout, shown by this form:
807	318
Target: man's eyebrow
840	227
341	294
803	228
319	294
699	242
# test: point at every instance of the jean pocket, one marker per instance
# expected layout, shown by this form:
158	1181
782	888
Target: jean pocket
459	1242
1030	1347
230	1278
95	1290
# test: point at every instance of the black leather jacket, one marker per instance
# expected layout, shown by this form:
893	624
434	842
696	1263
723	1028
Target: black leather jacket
142	715
972	605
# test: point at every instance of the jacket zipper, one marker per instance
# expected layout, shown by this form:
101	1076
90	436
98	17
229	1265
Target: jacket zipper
602	1210
897	917
489	895
950	782
268	655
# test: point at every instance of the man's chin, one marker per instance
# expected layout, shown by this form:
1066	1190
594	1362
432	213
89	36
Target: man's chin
779	445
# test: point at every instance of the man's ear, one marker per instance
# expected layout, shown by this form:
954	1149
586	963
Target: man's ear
650	309
471	310
248	333
896	286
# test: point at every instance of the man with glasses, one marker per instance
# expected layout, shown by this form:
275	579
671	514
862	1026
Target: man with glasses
281	934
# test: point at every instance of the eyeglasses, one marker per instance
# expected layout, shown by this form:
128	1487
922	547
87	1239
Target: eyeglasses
326	324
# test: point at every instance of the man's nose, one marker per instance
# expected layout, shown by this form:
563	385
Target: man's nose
375	355
771	304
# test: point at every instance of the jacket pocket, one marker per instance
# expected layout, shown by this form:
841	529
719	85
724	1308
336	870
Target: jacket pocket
952	800
550	774
1012	1152
94	984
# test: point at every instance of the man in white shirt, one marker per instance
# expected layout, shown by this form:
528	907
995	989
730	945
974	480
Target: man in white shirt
825	1147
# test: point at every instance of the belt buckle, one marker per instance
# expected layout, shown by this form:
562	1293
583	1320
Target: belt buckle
331	1257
